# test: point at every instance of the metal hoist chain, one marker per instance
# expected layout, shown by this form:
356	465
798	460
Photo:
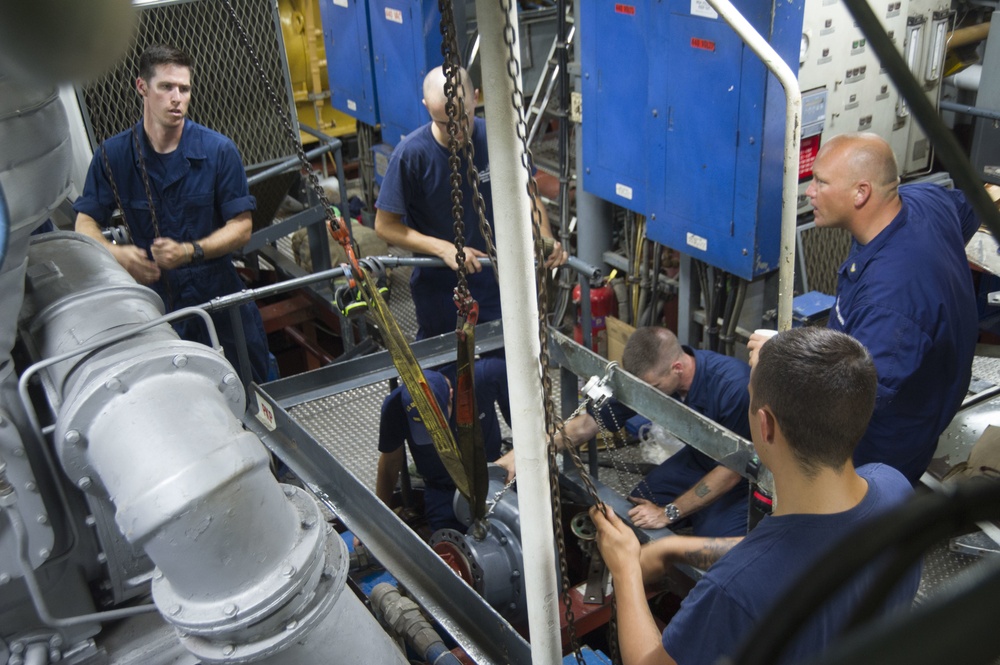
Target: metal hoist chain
286	124
145	183
517	101
402	356
458	123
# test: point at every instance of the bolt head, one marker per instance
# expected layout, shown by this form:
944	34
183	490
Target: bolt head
84	483
228	650
180	360
44	553
113	384
71	437
229	610
229	379
4	579
291	625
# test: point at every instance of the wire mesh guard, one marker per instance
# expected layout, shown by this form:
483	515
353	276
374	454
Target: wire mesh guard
824	251
228	94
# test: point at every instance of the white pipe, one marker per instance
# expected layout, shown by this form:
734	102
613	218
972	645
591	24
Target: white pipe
515	252
968	78
790	180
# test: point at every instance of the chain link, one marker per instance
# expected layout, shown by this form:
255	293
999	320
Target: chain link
286	122
517	101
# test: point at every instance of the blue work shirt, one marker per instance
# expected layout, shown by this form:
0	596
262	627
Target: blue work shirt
417	185
722	610
908	297
195	190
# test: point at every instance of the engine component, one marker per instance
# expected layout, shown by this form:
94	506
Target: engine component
490	561
246	569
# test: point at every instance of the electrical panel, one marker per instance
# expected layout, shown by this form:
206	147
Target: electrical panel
837	63
347	40
683	124
406	42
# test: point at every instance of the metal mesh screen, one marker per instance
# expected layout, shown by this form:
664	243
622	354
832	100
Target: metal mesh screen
823	252
228	94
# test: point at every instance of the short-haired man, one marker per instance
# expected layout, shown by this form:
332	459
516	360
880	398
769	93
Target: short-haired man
905	292
198	193
400	422
812	391
414	207
689	488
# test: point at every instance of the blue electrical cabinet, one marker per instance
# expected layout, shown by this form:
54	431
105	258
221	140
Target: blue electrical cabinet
683	124
406	43
347	40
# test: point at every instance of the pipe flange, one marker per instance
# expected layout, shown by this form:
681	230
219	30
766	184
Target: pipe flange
277	598
286	629
113	381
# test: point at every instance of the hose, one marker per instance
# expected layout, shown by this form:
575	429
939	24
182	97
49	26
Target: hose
734	316
406	619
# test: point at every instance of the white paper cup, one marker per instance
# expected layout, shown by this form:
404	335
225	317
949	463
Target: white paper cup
765	332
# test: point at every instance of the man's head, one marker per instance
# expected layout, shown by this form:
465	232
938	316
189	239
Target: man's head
164	83
654	355
815	388
852	173
435	99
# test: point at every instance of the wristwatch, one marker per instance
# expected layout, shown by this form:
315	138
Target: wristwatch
197	253
672	512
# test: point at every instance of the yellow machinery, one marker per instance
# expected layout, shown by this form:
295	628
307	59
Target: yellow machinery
303	34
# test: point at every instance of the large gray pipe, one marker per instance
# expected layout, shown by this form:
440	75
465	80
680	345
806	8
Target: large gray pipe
246	569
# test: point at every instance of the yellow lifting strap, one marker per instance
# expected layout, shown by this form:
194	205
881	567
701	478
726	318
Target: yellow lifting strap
462	460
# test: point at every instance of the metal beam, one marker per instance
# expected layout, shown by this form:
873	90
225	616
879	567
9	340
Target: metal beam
460	611
729	449
366	370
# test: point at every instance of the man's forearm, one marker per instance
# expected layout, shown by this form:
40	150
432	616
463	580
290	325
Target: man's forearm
713	485
658	556
638	636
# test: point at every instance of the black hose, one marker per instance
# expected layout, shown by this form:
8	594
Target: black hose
908	528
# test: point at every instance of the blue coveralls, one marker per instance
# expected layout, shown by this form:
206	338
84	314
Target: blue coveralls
908	297
195	190
719	392
417	186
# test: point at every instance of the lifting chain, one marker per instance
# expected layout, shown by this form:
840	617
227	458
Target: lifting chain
517	101
458	123
339	231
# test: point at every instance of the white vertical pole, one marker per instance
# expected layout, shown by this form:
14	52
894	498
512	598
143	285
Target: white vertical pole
515	253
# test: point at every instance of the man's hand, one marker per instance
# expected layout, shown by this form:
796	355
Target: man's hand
646	514
557	257
170	254
472	264
134	260
755	342
616	540
507	462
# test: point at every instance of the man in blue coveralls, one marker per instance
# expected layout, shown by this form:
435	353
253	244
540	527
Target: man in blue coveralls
689	488
905	292
812	392
198	192
414	211
401	422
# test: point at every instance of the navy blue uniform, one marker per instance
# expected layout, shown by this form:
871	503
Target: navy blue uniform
400	421
742	586
195	190
718	391
417	186
908	297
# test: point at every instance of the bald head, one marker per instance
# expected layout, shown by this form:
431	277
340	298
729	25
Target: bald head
434	82
866	156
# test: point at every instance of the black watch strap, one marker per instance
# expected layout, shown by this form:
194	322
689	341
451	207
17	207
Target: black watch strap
197	253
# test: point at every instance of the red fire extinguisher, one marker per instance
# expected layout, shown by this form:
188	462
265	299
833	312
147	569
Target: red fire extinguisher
602	305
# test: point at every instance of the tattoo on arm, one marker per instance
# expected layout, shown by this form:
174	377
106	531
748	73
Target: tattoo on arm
708	554
702	490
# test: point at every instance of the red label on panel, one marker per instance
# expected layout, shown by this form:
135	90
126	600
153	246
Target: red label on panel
624	9
807	155
703	44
